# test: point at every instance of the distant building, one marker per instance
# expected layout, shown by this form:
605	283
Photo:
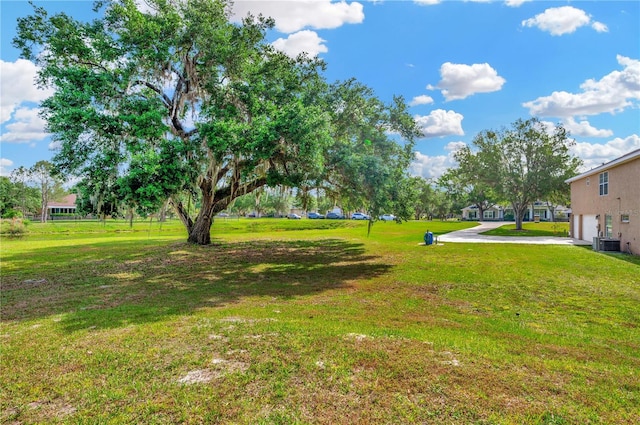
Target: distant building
605	202
494	213
539	209
65	206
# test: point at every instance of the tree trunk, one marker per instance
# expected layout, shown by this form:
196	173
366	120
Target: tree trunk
518	213
200	233
552	210
43	209
163	213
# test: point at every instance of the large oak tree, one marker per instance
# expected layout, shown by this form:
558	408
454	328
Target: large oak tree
180	103
176	103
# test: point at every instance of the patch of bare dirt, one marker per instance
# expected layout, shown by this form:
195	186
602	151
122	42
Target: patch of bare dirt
58	409
199	376
358	337
218	369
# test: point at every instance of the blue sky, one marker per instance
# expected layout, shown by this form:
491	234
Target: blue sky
464	66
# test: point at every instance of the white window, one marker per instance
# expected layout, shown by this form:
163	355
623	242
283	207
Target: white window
604	183
608	226
624	218
488	214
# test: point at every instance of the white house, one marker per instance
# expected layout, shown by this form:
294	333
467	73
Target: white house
494	213
541	210
505	213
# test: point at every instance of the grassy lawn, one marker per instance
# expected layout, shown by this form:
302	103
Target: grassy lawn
532	229
313	322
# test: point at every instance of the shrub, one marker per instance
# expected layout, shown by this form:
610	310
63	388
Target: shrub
12	214
17	228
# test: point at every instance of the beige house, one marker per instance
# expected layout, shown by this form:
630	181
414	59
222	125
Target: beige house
66	205
605	203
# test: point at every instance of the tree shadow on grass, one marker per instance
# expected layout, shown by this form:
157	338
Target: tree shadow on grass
110	285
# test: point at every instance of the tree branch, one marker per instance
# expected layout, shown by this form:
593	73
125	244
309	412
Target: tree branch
227	194
182	213
165	98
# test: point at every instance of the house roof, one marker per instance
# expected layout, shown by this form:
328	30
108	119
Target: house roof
492	207
68	201
621	160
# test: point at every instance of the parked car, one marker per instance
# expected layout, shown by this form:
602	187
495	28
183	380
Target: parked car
293	216
359	216
387	217
334	216
314	215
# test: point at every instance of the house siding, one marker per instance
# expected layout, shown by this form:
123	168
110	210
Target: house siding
590	209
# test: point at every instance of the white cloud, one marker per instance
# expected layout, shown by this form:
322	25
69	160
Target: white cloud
4	163
613	93
302	41
292	16
595	154
454	147
421	100
432	167
562	20
18	86
460	81
27	127
427	2
600	27
515	3
429	167
584	129
440	123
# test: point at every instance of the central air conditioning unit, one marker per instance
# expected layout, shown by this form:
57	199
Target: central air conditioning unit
612	245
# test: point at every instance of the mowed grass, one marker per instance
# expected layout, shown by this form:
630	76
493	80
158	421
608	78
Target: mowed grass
532	229
313	322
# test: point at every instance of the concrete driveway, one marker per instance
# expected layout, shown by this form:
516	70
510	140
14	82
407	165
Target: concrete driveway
472	235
